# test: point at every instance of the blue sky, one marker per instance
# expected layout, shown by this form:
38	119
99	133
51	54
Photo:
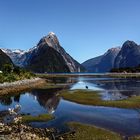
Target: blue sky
85	28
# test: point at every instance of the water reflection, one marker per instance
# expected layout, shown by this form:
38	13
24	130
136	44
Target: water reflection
48	99
32	102
61	80
111	89
6	100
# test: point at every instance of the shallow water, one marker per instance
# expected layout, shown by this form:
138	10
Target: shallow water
124	121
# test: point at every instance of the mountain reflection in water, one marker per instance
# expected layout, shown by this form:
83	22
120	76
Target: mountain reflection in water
48	99
111	88
40	101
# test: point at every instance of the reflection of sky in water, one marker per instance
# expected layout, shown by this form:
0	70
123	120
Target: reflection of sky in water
111	88
46	100
81	84
115	119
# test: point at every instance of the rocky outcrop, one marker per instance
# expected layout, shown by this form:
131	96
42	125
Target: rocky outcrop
129	56
103	63
47	56
4	59
15	55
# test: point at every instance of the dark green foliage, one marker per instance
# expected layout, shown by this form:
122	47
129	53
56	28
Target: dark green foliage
17	70
4	59
127	69
7	68
11	74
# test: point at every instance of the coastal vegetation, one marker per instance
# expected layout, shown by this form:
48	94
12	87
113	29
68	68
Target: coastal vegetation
134	138
39	118
10	73
89	97
127	69
87	132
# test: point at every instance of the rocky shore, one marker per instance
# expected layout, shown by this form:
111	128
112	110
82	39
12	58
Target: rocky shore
21	85
23	132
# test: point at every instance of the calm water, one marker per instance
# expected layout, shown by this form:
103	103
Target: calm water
124	121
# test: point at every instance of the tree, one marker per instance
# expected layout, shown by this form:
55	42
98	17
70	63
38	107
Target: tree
7	68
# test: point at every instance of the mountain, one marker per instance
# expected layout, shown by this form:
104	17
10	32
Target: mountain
15	55
4	59
103	63
49	56
129	56
46	56
91	65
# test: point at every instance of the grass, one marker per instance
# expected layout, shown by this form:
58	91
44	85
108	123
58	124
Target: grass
52	86
67	75
40	118
88	97
87	132
113	75
134	138
124	75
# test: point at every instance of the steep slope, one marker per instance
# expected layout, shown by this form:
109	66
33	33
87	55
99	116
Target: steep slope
4	59
129	56
91	65
15	55
49	56
107	61
103	63
47	60
53	58
51	41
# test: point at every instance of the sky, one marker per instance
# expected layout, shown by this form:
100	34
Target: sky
85	28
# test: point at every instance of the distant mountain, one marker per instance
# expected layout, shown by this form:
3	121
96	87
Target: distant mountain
129	56
15	55
47	56
103	63
91	65
4	59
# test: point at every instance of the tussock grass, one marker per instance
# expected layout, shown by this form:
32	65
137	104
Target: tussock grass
134	138
87	132
88	97
40	118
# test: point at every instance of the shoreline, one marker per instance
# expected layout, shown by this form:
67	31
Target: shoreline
100	75
21	85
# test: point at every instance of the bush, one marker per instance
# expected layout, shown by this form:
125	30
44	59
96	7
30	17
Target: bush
11	74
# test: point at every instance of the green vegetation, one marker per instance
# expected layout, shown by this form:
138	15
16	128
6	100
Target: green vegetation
127	69
89	97
87	132
40	118
124	75
134	138
12	73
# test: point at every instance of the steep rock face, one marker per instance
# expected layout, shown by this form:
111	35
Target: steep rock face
51	40
47	56
129	56
4	59
91	65
107	61
103	63
15	55
47	60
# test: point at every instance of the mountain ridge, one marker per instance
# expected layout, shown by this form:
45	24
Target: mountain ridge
120	57
102	63
51	41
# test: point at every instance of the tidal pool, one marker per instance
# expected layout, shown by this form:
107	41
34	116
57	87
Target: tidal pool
39	101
